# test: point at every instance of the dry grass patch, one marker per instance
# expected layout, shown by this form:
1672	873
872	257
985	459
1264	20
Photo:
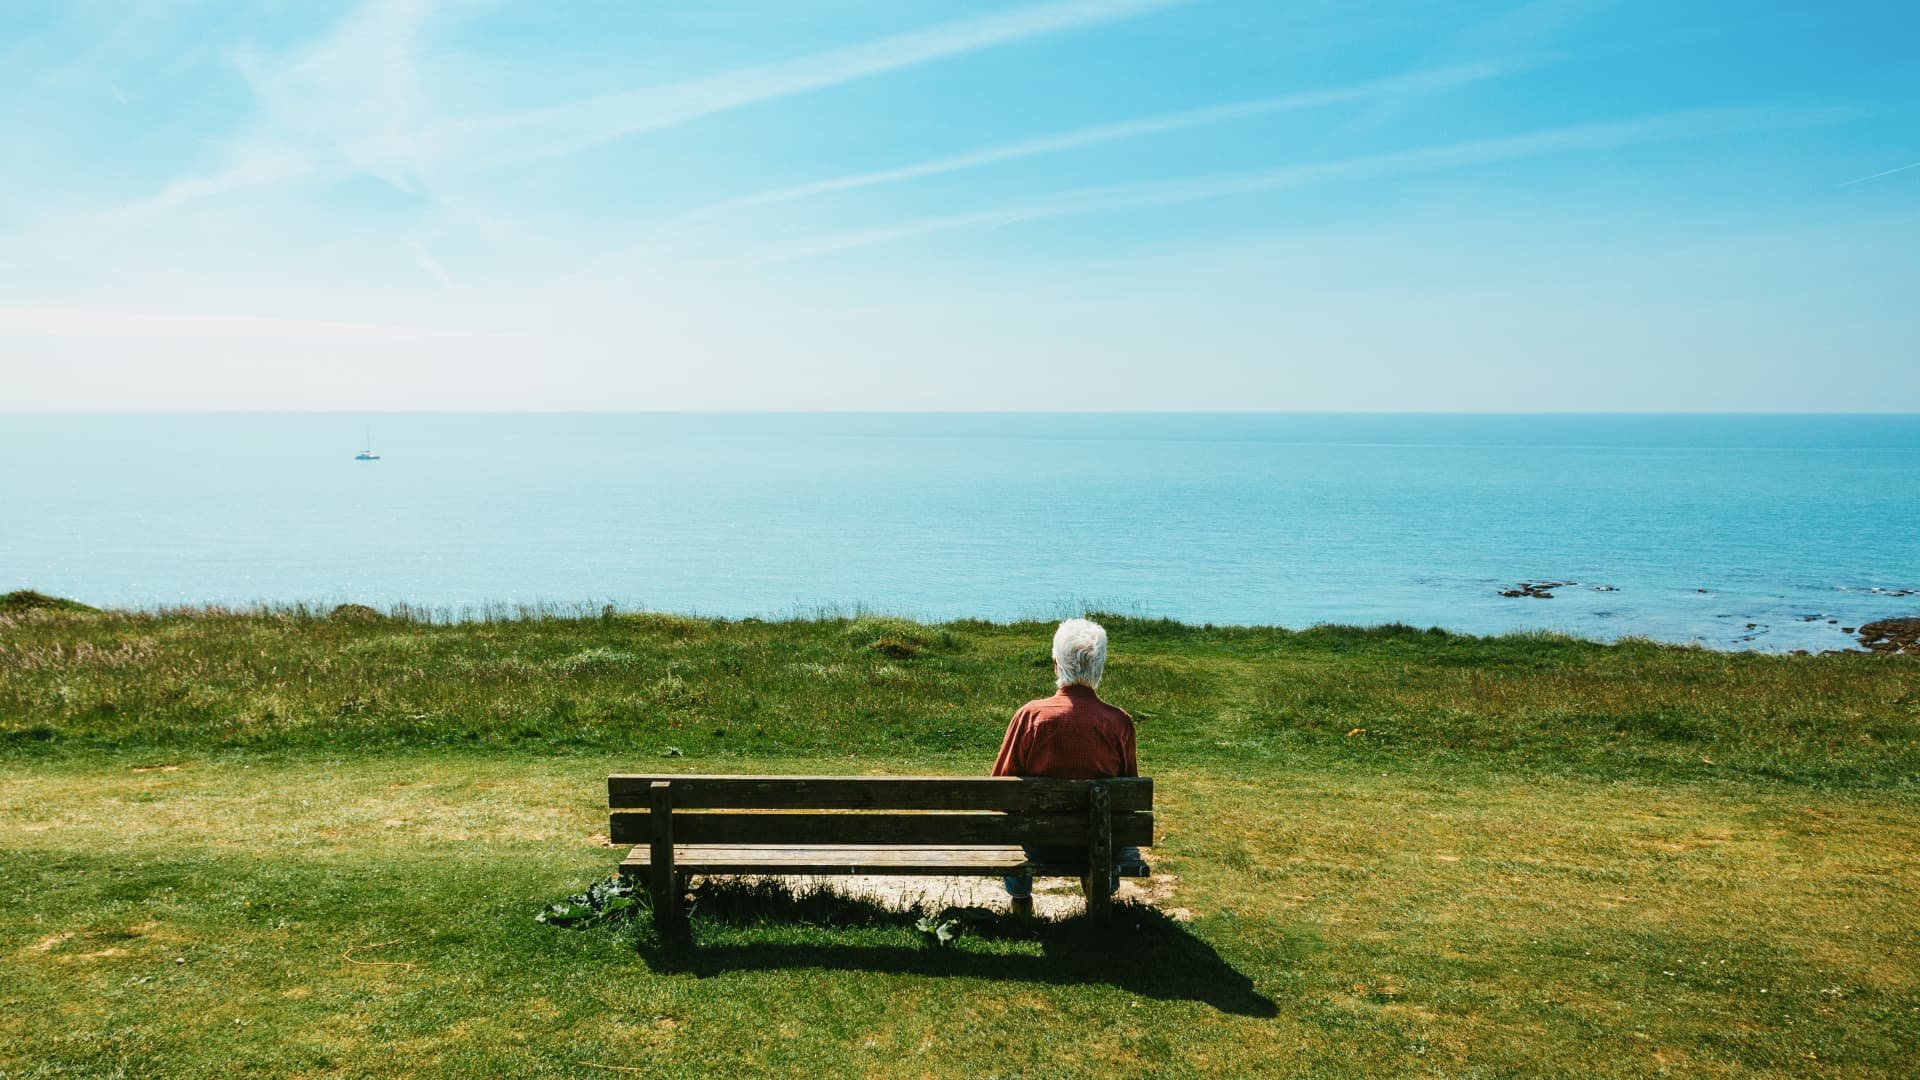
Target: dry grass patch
1392	922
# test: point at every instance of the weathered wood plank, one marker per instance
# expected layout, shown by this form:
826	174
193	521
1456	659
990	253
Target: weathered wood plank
1099	852
1010	793
826	859
923	829
660	877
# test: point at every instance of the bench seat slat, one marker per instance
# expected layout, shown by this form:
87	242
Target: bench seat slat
1011	793
918	829
748	859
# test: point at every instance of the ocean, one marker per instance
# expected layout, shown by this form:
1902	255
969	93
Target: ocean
1739	532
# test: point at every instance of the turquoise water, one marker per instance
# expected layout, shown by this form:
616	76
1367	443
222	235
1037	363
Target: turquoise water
1698	525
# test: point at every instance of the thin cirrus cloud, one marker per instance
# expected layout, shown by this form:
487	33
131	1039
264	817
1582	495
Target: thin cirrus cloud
1663	127
336	107
1415	83
343	105
351	93
558	130
1878	175
346	104
425	260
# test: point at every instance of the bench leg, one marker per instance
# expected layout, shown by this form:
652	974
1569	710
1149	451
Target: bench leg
663	885
1099	853
663	890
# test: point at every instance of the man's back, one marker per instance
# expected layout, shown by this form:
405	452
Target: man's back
1073	735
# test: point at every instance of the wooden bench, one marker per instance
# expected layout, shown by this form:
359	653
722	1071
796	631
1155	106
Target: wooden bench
933	825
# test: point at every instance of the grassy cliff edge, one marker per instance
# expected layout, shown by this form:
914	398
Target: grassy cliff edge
283	843
884	689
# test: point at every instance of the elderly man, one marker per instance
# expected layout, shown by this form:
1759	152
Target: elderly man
1072	734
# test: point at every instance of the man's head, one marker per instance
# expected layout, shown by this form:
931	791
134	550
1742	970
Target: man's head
1079	653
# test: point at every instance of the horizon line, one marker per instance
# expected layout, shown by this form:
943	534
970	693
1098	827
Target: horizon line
384	411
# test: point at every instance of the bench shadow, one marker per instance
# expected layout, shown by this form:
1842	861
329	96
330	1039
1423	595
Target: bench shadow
1141	951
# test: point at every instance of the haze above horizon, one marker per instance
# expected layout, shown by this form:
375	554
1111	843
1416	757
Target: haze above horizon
1108	205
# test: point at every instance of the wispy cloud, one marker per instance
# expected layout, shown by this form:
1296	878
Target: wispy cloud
425	260
254	165
1878	175
68	323
347	103
339	106
1524	27
75	239
1416	82
567	128
1663	127
349	96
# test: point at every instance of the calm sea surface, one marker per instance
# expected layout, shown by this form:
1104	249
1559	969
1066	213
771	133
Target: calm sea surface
1694	526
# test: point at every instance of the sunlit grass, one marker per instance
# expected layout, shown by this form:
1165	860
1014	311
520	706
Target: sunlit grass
887	688
178	918
289	844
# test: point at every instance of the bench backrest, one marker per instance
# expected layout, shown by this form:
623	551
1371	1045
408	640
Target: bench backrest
928	811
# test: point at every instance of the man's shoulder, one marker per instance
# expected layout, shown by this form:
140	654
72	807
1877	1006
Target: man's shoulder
1044	706
1115	717
1061	705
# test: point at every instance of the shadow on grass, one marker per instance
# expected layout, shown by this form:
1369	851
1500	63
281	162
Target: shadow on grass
1141	951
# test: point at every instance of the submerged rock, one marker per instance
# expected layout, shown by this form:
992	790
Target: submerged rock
1539	590
1892	636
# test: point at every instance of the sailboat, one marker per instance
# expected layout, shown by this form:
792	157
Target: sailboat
367	454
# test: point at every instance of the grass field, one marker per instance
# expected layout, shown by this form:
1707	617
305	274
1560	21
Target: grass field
291	844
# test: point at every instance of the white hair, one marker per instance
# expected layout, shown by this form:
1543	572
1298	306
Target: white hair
1080	652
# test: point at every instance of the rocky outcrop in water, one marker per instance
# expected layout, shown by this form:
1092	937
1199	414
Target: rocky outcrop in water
1892	636
1543	590
1539	590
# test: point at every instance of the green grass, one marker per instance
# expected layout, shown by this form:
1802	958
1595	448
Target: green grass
1404	852
21	601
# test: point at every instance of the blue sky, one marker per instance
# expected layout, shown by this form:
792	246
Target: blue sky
1084	204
